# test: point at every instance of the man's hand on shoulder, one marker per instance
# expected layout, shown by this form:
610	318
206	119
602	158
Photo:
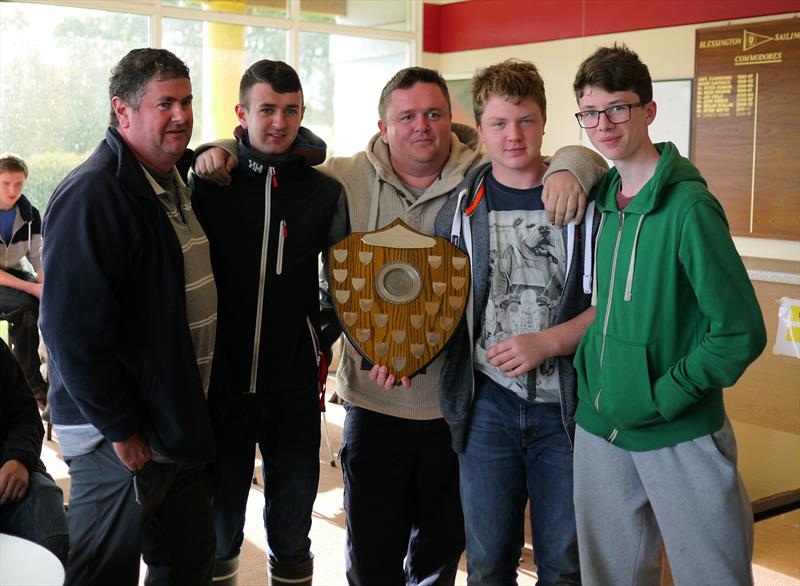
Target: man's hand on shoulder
380	374
563	198
134	452
13	481
215	165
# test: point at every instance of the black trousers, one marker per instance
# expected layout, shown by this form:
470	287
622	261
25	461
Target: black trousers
163	512
288	435
22	312
401	498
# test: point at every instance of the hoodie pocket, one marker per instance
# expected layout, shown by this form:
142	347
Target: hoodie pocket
624	395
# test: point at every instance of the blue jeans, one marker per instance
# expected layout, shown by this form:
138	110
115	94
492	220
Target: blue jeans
22	311
517	451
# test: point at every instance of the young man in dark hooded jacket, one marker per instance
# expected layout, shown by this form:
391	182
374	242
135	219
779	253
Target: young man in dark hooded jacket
267	230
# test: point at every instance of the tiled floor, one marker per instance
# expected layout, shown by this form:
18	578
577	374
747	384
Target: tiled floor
776	561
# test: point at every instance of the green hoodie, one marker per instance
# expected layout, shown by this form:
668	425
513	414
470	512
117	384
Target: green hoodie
677	317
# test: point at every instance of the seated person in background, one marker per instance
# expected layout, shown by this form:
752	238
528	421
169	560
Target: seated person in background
20	289
31	505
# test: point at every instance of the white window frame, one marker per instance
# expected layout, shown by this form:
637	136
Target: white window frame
293	24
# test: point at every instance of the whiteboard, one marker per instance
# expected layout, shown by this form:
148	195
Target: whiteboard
673	121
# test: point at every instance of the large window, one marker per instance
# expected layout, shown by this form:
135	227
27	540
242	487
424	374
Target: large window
217	54
54	69
56	57
342	78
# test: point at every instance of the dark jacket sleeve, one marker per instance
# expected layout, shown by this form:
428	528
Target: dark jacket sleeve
89	243
329	325
22	432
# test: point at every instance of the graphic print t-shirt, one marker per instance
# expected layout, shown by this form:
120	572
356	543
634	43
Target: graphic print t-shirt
527	267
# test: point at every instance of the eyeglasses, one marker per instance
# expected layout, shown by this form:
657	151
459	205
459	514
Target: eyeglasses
615	114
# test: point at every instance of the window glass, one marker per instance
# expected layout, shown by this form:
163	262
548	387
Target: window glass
342	80
54	68
270	8
55	62
217	55
385	14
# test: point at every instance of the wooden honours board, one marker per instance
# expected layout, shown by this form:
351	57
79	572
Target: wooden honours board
746	124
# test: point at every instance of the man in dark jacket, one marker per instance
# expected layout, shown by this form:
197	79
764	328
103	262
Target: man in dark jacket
129	316
267	230
31	505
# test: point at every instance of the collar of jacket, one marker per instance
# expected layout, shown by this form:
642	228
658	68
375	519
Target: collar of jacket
310	149
672	168
129	169
458	163
251	163
474	183
25	208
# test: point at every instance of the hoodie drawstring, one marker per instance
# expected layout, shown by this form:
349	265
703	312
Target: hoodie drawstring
629	282
462	226
588	225
588	260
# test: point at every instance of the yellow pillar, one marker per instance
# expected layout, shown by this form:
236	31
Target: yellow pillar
223	66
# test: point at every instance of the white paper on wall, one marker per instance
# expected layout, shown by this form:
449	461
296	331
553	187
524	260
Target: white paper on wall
787	339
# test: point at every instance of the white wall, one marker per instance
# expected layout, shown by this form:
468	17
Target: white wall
668	53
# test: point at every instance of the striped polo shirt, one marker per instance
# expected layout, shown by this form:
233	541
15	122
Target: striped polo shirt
201	290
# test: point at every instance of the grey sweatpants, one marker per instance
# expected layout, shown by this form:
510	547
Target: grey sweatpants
690	495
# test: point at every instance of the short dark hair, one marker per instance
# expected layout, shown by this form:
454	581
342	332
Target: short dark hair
406	78
615	69
10	163
282	77
134	71
513	79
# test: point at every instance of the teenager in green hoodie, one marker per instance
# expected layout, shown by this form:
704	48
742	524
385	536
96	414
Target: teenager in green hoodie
677	321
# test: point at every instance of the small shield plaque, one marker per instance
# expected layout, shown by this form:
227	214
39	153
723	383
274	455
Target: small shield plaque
398	295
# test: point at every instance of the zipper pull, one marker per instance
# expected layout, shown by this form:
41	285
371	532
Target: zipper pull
282	233
621	219
274	178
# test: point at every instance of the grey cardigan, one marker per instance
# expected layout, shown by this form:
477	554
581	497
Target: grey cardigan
457	383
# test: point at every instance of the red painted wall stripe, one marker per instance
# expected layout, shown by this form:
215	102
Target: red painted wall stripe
480	24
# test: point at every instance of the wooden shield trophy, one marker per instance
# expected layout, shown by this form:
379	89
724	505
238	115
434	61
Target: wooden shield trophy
398	294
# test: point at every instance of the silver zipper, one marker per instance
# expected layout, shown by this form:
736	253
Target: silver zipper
281	239
621	223
262	281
